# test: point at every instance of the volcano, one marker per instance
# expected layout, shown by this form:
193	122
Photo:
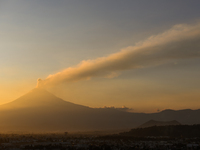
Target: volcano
40	98
41	111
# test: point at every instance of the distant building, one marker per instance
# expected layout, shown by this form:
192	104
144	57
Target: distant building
65	133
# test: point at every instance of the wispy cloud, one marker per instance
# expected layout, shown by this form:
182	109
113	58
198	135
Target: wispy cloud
123	108
180	42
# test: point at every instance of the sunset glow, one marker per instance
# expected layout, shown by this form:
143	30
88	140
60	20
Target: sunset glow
139	54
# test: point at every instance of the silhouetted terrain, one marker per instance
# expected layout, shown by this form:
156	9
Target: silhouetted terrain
171	131
151	123
40	110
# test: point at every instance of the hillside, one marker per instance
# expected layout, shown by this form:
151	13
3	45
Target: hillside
169	131
40	110
151	123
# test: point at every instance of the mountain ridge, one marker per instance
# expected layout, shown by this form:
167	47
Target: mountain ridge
39	110
151	123
38	97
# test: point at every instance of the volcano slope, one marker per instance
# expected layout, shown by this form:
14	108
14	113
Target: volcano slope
41	111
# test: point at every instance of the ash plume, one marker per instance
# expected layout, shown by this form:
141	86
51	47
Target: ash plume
180	42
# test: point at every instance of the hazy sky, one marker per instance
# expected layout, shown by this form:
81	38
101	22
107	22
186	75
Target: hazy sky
39	38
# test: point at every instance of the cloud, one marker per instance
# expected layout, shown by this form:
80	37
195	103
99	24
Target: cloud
123	108
180	42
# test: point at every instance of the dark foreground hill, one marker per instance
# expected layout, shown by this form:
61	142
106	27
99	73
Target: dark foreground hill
40	110
151	123
170	131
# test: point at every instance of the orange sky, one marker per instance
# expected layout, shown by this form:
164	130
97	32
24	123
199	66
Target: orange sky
39	39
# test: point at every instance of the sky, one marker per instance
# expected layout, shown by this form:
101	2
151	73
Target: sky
140	54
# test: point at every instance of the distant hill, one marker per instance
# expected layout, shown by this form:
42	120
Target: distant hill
41	111
151	123
170	131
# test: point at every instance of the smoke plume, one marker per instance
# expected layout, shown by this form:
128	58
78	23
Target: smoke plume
179	42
